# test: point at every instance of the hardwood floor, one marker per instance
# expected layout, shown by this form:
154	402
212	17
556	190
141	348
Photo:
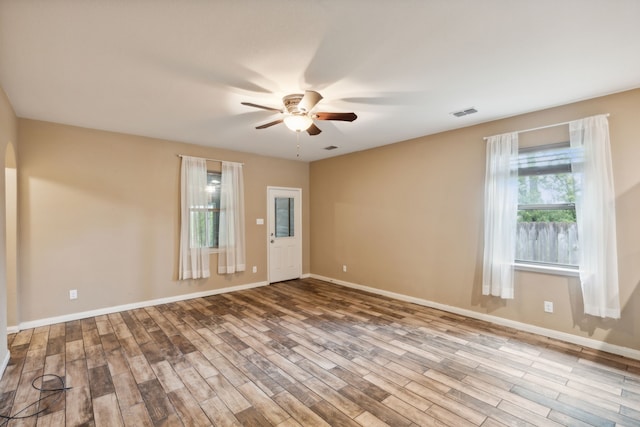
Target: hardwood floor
309	353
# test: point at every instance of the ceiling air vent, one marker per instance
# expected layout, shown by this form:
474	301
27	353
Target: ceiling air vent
466	112
331	147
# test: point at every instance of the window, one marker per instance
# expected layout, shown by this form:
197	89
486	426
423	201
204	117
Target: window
562	200
208	215
546	229
285	221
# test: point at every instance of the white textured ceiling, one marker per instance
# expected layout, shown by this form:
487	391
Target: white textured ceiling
178	70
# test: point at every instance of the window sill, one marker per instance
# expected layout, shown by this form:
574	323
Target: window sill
547	269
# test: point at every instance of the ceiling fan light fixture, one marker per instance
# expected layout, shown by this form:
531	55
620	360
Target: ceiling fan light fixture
297	113
298	122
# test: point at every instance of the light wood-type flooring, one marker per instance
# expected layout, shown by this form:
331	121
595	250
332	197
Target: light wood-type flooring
310	353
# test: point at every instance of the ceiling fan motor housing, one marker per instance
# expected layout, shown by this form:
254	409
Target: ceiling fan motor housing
291	103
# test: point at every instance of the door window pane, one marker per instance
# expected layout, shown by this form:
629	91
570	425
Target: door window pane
284	216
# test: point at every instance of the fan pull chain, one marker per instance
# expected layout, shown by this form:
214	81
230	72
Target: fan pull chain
298	144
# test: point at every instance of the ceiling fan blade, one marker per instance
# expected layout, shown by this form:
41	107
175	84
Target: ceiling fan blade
313	130
250	104
309	100
345	117
266	125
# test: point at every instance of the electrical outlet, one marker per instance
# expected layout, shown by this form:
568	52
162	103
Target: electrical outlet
73	294
255	269
548	307
344	268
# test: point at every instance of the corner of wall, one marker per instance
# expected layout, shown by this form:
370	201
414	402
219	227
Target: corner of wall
8	135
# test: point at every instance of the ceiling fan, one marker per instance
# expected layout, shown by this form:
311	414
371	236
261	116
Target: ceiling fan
297	113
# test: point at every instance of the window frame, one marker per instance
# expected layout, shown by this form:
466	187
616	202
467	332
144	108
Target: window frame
541	266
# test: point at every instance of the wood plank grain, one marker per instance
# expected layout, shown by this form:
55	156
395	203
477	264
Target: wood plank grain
370	420
307	352
374	407
140	369
201	364
34	360
263	403
100	382
116	362
73	330
54	419
451	418
562	408
187	408
126	390
332	415
298	411
156	400
25	394
77	374
56	345
445	403
79	408
39	340
232	398
136	416
336	399
168	378
106	411
399	392
196	385
95	356
251	417
218	412
409	411
90	337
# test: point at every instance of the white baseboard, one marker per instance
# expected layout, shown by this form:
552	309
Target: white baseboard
13	329
550	333
124	307
4	364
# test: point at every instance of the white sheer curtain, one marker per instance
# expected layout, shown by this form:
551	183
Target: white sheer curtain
596	216
231	257
500	215
194	252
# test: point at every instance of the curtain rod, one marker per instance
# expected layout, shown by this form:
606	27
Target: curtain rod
210	160
541	127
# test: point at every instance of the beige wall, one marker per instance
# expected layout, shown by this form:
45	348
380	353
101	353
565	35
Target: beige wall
99	213
8	140
407	218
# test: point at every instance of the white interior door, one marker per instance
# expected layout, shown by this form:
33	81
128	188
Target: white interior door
284	214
